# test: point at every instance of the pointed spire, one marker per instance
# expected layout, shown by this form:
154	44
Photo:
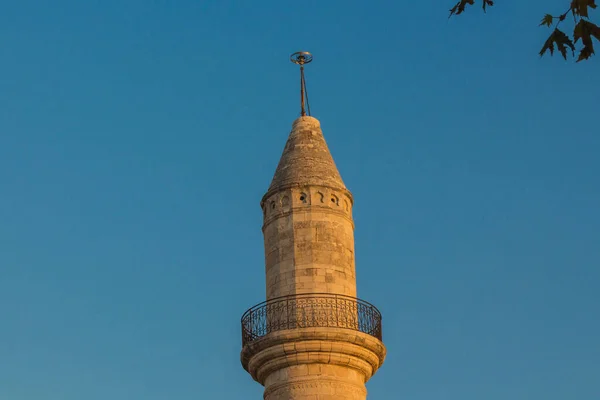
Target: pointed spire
306	159
301	58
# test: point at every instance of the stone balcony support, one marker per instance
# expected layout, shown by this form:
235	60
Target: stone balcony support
301	364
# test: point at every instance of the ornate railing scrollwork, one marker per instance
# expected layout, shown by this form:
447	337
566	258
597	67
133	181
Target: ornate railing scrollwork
308	311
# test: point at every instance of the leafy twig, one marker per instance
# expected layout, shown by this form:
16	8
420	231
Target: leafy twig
584	30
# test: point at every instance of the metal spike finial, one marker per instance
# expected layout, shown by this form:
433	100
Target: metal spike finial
301	58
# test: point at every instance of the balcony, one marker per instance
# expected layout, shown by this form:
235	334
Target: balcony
310	311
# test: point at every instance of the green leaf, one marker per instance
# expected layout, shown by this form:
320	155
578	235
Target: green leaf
459	8
562	42
487	3
584	30
580	7
547	20
548	45
586	52
594	30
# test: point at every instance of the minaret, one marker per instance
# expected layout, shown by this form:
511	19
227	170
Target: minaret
312	339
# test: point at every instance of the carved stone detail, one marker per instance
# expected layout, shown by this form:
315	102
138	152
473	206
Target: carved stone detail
336	388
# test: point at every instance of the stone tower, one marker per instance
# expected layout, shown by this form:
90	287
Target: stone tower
312	339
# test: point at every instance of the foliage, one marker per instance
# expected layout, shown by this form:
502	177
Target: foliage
584	30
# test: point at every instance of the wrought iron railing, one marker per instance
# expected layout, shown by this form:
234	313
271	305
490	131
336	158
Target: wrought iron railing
310	310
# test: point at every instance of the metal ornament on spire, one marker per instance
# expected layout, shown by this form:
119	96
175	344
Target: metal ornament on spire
301	58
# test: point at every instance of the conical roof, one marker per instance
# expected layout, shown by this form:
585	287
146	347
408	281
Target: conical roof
306	159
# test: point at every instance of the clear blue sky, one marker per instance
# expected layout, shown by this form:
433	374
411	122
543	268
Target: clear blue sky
137	138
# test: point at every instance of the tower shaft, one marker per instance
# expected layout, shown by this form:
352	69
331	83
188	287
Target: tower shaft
312	339
308	228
